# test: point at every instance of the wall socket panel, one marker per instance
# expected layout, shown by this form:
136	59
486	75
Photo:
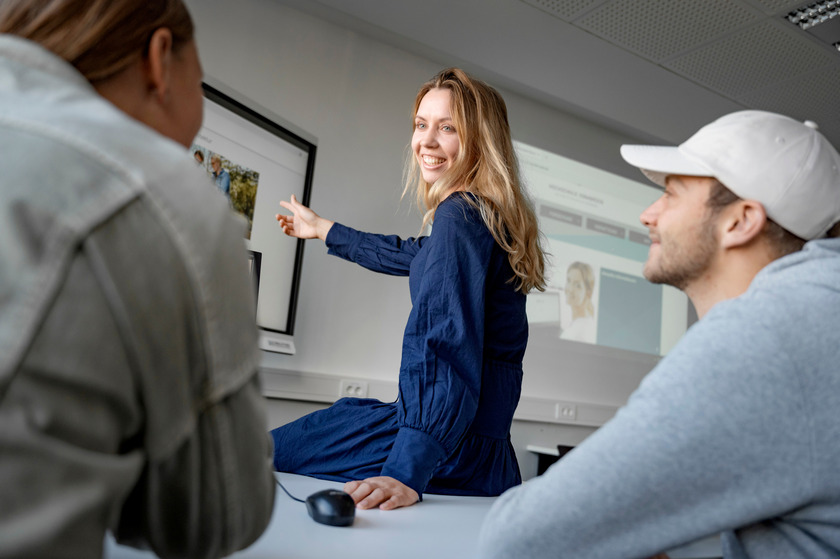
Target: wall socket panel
565	411
353	389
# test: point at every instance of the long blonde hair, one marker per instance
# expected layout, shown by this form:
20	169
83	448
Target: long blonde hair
485	166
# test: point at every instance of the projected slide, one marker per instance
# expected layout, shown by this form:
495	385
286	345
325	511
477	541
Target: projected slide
596	292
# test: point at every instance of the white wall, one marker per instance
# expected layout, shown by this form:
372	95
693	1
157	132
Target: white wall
354	95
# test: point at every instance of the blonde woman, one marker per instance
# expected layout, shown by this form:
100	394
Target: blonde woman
461	371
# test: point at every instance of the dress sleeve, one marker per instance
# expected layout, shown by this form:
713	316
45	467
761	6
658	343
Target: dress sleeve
440	375
387	254
694	453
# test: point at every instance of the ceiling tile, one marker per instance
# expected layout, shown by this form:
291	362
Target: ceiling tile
808	97
781	6
564	9
659	30
751	60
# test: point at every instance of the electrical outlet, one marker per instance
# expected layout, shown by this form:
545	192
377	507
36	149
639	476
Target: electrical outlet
353	389
566	411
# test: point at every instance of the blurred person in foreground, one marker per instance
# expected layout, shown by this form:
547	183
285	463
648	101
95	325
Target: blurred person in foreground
129	399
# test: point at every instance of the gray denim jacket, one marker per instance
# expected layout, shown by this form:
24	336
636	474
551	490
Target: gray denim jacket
129	399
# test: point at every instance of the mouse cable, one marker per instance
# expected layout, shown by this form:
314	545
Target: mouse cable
287	491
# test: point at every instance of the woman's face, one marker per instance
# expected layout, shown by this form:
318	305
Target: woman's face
435	141
575	288
187	95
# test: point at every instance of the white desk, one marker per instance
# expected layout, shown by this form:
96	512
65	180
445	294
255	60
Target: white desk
441	526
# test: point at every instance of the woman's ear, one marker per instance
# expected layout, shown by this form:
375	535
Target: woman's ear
742	222
158	65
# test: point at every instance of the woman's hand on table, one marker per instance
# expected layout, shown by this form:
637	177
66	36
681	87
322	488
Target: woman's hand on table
385	492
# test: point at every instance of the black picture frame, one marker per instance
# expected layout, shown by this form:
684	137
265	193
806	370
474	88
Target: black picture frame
252	115
254	262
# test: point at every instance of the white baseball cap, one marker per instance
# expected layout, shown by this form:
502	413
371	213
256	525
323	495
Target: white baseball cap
786	165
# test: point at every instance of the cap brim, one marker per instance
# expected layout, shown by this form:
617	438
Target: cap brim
657	162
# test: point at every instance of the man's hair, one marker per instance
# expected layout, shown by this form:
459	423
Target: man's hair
99	37
780	240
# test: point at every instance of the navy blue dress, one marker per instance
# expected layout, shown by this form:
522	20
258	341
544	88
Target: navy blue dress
460	377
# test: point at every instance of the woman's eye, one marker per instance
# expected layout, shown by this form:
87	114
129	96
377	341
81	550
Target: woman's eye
419	125
447	128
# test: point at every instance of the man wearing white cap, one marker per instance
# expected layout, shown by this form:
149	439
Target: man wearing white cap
737	430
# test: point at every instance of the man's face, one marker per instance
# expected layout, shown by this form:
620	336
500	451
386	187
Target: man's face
682	232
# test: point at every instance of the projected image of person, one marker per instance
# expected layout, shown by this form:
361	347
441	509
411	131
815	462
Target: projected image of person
221	176
129	397
461	371
580	285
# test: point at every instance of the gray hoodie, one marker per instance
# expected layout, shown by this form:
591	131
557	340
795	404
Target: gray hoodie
737	431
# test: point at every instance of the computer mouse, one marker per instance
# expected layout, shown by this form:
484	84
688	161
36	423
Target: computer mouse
332	507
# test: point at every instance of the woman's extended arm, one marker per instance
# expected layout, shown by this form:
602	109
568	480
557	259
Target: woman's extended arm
387	254
303	223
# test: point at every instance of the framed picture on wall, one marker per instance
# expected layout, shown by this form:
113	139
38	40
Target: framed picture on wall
255	159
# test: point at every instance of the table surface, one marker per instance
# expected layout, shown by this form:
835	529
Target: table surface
441	526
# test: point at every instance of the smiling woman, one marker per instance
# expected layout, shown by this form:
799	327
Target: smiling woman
485	165
435	141
461	370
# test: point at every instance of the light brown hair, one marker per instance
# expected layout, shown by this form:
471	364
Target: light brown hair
99	37
486	166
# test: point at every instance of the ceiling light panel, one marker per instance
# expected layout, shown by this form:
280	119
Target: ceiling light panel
812	15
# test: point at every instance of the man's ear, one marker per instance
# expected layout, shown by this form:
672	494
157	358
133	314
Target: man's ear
742	222
158	64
